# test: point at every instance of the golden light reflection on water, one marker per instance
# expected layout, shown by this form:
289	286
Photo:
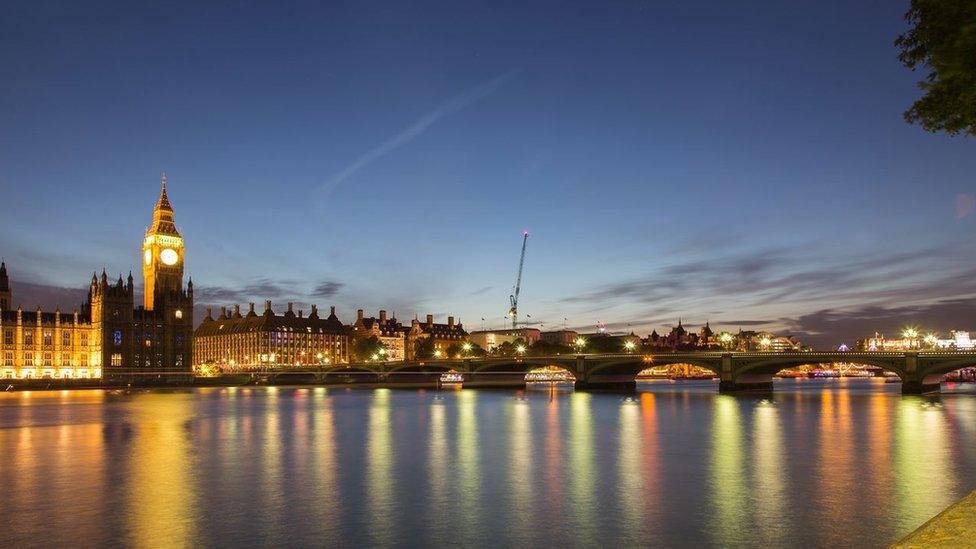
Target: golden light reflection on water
837	465
650	452
583	471
921	460
469	471
521	456
629	478
438	462
727	464
325	457
379	470
161	484
772	520
555	493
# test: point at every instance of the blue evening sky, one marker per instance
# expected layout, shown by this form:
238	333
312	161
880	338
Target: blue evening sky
739	162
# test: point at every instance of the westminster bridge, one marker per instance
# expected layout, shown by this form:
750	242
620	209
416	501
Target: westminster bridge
919	371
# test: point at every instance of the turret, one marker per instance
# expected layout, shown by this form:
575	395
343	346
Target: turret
6	297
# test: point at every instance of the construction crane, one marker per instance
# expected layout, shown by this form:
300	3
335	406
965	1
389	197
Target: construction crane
513	311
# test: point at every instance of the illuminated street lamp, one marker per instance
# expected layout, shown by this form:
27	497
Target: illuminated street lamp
910	334
932	340
437	353
520	349
726	339
629	346
466	347
765	343
579	343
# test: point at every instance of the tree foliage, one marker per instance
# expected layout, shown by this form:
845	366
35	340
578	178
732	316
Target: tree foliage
364	349
423	348
942	39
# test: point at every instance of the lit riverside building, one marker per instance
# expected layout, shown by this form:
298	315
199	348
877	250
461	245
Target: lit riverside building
268	340
108	333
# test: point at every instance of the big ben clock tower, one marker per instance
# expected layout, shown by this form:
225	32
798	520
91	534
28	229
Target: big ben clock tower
162	253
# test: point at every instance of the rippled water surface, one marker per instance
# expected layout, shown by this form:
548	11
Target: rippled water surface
821	463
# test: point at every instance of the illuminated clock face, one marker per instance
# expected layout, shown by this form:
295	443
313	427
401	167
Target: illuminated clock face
148	256
169	256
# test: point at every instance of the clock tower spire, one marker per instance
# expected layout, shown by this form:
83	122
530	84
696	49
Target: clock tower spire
162	252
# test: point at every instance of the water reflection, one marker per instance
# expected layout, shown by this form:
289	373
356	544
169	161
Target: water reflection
828	464
161	484
773	520
583	470
727	472
379	464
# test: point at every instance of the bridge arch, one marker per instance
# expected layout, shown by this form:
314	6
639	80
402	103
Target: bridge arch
931	372
766	368
637	364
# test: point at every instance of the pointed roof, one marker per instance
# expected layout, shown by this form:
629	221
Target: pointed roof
4	281
163	222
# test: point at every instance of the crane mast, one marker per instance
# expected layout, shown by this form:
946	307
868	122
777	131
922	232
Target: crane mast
513	299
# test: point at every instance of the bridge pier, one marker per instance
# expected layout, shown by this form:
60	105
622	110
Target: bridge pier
919	387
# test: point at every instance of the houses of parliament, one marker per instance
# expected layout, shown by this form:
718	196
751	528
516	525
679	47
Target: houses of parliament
108	332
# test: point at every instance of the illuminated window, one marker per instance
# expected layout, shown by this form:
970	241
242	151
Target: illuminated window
28	359
84	338
48	359
84	359
8	359
65	359
48	338
8	336
179	314
65	339
118	338
116	359
29	337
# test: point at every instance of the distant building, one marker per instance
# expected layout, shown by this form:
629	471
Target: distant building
957	340
390	333
566	338
269	340
444	335
765	341
490	339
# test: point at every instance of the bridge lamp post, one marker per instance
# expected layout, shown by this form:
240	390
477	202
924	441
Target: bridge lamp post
911	335
579	344
437	353
629	346
726	339
932	340
764	343
466	348
520	349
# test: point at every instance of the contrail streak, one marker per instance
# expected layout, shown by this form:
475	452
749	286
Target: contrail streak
413	131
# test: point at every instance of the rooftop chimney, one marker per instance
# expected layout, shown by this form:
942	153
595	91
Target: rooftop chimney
332	310
209	313
450	322
237	311
382	315
430	320
267	307
359	314
301	313
223	312
250	309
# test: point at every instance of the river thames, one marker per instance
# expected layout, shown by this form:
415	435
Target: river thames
819	463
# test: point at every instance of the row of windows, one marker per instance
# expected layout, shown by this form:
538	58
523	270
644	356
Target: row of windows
47	337
47	359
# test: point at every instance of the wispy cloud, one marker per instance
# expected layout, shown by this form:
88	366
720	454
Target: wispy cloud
416	129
